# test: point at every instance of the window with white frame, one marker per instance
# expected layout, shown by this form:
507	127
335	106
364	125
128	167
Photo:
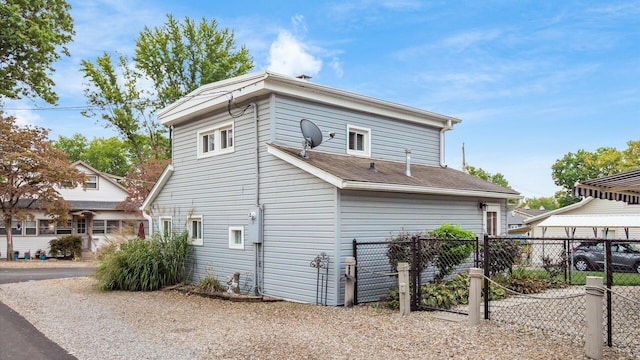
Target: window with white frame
358	141
46	227
491	219
236	237
30	227
91	182
98	227
194	224
64	229
216	140
165	224
112	226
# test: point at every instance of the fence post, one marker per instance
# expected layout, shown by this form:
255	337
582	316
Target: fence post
475	294
403	288
593	314
487	274
350	280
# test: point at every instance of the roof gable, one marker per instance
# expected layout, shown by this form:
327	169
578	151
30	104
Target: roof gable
353	172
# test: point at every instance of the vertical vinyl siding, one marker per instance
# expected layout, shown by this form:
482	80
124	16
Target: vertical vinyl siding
220	188
298	225
389	138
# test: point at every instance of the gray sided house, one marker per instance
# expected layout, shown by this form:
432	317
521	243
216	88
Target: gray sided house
252	204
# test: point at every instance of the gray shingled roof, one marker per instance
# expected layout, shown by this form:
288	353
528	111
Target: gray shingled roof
357	169
94	205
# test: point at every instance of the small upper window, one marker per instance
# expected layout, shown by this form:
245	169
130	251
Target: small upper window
359	141
195	230
91	182
216	140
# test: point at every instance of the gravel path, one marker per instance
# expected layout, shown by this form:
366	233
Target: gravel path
168	325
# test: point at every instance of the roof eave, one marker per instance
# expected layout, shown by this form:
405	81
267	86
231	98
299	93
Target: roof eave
386	187
155	191
214	96
559	211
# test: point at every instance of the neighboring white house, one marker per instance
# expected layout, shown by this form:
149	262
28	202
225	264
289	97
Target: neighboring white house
589	218
93	216
253	203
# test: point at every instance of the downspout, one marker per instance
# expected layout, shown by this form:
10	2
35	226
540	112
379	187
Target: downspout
446	128
259	246
149	220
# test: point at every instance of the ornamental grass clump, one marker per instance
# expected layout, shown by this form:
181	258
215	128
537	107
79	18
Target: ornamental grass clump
144	265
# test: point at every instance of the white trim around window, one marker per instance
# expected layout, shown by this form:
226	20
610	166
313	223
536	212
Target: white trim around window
91	182
194	227
491	219
165	225
216	140
358	141
236	237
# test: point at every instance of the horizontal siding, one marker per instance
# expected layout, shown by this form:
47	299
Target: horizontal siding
367	216
389	138
220	188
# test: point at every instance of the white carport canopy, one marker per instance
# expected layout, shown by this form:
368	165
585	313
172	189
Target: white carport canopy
571	222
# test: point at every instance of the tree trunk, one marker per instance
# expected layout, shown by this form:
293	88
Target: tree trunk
7	227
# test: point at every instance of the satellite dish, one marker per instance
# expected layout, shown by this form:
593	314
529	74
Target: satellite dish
311	134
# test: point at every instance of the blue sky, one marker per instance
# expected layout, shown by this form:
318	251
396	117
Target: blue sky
531	80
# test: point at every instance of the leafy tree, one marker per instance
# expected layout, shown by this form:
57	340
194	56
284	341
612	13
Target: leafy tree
30	171
122	105
583	165
496	178
140	180
631	155
32	37
180	57
176	58
75	146
109	155
549	203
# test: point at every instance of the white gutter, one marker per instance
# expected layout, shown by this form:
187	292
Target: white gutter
150	221
446	128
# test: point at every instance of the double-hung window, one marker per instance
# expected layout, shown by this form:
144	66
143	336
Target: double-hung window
98	227
358	141
165	225
46	227
194	224
91	182
216	140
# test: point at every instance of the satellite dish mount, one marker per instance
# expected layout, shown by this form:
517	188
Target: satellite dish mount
312	136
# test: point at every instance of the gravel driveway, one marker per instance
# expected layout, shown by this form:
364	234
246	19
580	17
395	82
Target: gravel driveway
169	325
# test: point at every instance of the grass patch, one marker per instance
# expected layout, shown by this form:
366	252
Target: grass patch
580	277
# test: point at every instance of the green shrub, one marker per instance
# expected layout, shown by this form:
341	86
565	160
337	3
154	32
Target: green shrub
67	246
453	251
210	284
503	254
144	265
441	247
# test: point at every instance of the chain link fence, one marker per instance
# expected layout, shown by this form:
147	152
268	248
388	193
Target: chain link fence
536	283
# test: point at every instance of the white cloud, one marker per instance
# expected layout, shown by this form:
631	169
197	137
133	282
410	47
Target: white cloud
291	56
336	65
22	111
